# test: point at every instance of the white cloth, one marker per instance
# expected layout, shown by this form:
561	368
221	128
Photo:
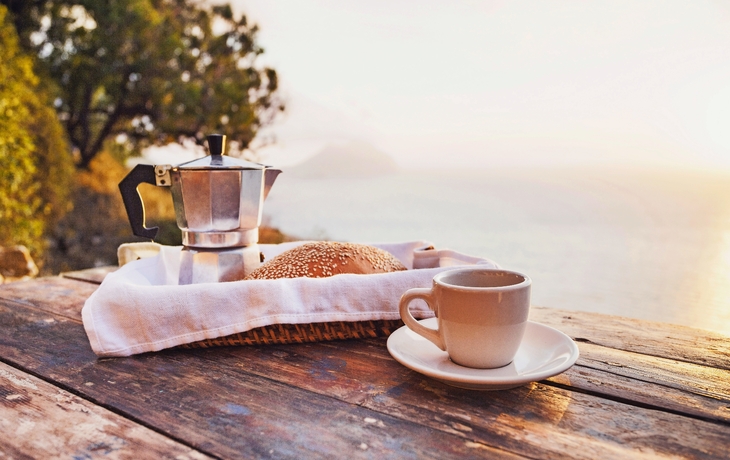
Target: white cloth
141	307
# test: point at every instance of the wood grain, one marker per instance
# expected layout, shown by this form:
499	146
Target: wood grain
601	370
214	406
345	394
650	338
38	420
61	296
621	382
671	385
395	390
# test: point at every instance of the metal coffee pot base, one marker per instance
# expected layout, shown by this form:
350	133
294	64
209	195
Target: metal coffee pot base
198	265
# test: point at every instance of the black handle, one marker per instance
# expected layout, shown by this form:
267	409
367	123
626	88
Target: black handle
133	200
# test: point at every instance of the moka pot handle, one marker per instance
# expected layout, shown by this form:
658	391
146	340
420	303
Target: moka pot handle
133	200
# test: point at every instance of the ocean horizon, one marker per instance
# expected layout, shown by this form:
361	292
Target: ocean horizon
648	244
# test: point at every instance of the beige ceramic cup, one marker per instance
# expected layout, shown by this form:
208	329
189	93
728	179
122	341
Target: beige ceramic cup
482	314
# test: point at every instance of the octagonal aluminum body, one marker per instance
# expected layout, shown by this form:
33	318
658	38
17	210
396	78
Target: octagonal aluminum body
218	208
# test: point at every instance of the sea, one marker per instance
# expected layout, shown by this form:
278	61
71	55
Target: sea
648	244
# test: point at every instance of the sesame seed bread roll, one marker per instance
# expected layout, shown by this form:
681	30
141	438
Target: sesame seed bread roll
327	258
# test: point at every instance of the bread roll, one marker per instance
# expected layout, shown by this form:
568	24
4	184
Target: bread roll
326	258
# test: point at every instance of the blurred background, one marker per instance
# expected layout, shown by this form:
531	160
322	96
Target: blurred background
493	83
586	144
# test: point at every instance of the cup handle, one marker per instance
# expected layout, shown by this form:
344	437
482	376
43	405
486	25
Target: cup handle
434	335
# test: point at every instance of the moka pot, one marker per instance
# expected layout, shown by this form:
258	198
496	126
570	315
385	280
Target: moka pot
218	204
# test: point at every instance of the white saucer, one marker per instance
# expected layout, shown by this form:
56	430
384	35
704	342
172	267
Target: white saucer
544	352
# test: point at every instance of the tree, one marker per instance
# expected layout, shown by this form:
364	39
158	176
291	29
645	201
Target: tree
139	72
35	168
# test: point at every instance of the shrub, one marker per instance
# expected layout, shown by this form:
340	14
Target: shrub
35	165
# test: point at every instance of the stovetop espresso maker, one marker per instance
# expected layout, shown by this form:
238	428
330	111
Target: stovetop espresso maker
218	203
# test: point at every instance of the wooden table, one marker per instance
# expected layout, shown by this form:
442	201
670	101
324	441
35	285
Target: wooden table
639	389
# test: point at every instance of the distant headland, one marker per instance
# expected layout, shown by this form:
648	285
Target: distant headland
354	159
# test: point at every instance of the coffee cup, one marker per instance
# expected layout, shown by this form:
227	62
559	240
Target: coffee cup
482	314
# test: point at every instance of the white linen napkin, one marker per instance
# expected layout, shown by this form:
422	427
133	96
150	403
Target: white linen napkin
141	308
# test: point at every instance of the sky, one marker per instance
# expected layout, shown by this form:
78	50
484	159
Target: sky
479	83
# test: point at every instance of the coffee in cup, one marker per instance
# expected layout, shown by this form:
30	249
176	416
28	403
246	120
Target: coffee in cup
482	314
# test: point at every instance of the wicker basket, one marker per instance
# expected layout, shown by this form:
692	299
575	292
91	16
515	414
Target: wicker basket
302	333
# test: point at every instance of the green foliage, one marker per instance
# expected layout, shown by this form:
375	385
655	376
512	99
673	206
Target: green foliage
119	75
138	72
54	165
35	168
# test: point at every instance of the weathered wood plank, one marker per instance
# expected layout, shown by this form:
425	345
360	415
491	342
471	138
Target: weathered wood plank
326	368
651	338
38	420
599	370
214	406
664	384
61	296
291	389
544	422
691	389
